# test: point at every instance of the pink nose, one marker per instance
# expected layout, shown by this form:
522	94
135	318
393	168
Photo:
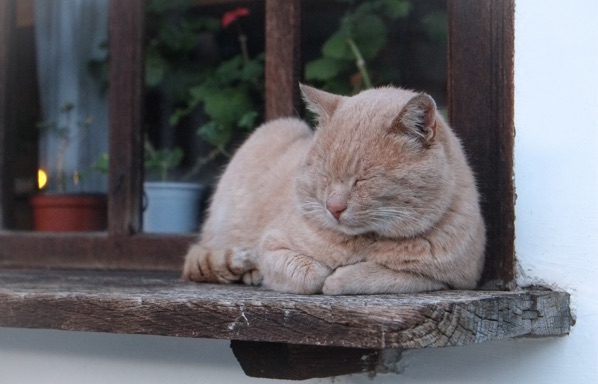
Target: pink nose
336	206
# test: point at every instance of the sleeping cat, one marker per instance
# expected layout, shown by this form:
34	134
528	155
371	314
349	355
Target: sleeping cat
379	199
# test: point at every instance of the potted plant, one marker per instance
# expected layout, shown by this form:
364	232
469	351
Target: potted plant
169	206
56	209
229	94
198	79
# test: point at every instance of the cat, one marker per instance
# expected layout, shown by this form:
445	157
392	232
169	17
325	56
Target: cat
379	199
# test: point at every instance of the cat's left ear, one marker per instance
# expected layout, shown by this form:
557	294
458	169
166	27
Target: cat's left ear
321	103
418	119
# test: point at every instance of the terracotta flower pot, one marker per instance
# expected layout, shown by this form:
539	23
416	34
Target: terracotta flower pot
69	213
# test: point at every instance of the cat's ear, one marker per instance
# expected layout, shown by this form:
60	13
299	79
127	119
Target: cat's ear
319	102
418	119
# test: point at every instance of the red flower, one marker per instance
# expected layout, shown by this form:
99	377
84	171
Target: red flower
233	15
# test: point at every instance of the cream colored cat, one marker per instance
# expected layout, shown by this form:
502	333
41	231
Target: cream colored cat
379	199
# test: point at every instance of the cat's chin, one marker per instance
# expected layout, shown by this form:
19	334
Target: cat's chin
348	230
389	231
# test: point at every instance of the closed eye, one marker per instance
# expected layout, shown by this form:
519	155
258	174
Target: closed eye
366	178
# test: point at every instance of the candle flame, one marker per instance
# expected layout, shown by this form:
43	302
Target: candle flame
42	178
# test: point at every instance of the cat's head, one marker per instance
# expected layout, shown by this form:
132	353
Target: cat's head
377	164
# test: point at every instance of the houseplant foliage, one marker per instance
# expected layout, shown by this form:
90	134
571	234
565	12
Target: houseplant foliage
230	94
66	134
224	88
56	210
346	56
195	73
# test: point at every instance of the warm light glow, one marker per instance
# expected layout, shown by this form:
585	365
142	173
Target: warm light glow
42	178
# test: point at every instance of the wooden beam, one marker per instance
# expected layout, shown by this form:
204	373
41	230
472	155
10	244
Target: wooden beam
283	58
94	251
161	304
126	85
25	14
7	143
481	99
300	362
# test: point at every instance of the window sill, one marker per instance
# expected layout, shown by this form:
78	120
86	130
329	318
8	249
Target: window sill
161	304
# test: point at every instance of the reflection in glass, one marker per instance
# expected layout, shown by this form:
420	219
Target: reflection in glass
74	107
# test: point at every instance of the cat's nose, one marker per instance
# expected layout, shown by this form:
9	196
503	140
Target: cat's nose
336	206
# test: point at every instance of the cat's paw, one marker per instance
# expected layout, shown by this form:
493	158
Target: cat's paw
367	278
218	266
253	277
358	278
292	273
338	283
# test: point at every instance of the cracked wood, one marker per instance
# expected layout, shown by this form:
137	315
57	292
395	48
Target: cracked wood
161	304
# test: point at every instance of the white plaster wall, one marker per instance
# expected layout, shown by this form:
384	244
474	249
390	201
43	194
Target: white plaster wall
556	155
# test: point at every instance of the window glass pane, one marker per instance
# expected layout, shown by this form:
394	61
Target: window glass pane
61	115
352	45
204	93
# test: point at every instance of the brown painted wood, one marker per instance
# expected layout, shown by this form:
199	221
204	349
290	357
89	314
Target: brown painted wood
93	251
25	15
481	109
283	58
126	111
300	362
161	304
7	39
481	46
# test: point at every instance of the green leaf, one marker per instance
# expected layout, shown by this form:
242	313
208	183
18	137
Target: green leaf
252	70
324	69
101	165
163	160
395	9
199	92
336	46
226	106
230	70
247	121
370	35
215	134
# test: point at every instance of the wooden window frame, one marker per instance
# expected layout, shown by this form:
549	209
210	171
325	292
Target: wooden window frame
480	94
289	336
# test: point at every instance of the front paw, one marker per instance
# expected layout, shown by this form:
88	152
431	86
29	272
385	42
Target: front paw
253	277
293	273
217	266
349	280
337	283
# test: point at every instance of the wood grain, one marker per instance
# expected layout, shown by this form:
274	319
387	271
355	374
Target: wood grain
300	362
481	94
94	251
480	105
126	85
283	58
7	54
160	304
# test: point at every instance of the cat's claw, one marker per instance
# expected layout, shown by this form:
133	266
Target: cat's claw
218	266
253	277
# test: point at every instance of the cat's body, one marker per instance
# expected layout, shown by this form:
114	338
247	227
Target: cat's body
379	200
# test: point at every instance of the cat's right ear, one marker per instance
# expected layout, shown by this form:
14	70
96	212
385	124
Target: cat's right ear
319	102
418	119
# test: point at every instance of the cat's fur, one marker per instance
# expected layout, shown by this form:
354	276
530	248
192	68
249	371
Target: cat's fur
379	199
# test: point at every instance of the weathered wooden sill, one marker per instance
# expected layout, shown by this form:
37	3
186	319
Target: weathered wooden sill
161	304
